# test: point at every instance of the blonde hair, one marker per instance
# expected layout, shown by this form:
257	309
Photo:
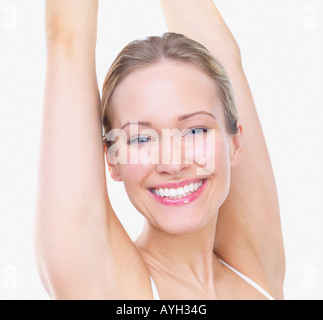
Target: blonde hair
169	46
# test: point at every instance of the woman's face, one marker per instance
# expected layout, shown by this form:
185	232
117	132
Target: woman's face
173	95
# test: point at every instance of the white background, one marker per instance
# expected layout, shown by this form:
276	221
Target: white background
282	50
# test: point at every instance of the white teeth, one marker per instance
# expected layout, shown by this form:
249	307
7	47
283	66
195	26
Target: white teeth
172	192
179	192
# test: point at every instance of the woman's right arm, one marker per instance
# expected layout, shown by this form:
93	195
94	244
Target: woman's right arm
74	217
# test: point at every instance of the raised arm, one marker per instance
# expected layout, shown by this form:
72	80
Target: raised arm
249	233
74	218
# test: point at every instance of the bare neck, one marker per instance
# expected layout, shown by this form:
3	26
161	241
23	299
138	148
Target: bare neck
186	255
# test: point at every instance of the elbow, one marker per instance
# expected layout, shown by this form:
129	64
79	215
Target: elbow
229	55
68	24
235	54
55	35
59	24
58	32
70	41
238	58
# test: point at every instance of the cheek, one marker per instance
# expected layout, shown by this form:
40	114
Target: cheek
132	173
208	152
137	166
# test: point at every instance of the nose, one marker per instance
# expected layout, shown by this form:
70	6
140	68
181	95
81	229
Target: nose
172	156
170	168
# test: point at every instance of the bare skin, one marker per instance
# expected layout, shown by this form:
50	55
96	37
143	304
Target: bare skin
83	252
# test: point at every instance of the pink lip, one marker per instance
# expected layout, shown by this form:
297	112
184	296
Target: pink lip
176	202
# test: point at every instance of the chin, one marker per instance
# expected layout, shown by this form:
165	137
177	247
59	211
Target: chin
181	223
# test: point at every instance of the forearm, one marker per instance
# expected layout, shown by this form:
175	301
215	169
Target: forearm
70	20
200	20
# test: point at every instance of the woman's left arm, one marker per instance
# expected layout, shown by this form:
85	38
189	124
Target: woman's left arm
249	235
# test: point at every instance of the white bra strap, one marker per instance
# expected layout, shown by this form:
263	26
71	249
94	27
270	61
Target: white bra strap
248	280
251	282
154	288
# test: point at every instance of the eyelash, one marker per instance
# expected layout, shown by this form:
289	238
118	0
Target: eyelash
205	130
136	138
130	141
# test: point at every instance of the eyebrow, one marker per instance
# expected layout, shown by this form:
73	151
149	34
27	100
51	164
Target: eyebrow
180	118
139	123
185	116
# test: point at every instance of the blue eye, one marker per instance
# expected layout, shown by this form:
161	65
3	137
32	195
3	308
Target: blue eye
195	131
139	140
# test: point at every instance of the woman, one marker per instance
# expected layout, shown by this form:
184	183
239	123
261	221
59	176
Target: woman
223	241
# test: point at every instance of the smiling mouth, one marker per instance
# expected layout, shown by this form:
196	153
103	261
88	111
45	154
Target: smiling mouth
178	193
